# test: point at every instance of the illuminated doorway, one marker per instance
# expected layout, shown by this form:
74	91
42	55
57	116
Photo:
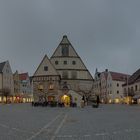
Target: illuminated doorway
66	100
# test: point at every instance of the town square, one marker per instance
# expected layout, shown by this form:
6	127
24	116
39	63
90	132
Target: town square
69	70
24	122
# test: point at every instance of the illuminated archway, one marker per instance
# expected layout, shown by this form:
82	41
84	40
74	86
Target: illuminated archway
66	100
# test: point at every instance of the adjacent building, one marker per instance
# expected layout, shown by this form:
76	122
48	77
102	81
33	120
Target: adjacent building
25	87
131	88
16	83
97	83
115	81
6	81
108	85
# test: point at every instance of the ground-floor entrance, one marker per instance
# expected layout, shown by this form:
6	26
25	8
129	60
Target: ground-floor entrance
66	99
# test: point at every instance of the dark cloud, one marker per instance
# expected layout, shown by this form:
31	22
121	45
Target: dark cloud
105	33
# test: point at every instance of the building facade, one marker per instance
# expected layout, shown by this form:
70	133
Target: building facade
25	88
63	74
97	83
108	85
6	81
16	83
70	67
115	81
131	88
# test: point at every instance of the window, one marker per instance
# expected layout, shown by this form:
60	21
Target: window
125	90
46	68
65	74
65	50
65	62
132	90
136	88
117	92
51	86
56	62
74	75
73	62
117	84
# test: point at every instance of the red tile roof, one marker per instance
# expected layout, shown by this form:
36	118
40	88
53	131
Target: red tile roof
119	76
23	76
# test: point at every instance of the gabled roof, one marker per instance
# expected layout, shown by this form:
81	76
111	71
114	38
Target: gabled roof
23	76
118	76
135	77
65	42
66	46
44	62
2	66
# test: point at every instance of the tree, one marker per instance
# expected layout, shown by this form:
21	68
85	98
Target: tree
86	92
5	92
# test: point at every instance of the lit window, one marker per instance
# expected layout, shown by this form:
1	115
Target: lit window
51	86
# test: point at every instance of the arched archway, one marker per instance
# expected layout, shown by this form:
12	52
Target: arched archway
66	99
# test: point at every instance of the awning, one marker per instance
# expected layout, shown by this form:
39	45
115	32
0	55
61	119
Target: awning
136	97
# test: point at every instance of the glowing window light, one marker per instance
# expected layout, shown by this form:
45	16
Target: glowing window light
117	100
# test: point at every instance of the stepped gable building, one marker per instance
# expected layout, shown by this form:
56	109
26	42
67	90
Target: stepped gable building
63	74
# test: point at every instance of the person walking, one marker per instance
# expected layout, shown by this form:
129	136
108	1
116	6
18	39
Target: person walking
98	100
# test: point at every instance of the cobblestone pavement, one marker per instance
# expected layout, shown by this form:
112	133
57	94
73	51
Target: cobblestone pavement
108	122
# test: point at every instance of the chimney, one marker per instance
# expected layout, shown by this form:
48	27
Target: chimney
106	70
65	36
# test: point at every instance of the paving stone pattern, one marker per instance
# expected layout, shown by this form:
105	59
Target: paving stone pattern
108	122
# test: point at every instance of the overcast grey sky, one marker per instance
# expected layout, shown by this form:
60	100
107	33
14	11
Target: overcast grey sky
105	33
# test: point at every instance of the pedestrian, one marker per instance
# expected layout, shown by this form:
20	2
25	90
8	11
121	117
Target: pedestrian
97	100
83	102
